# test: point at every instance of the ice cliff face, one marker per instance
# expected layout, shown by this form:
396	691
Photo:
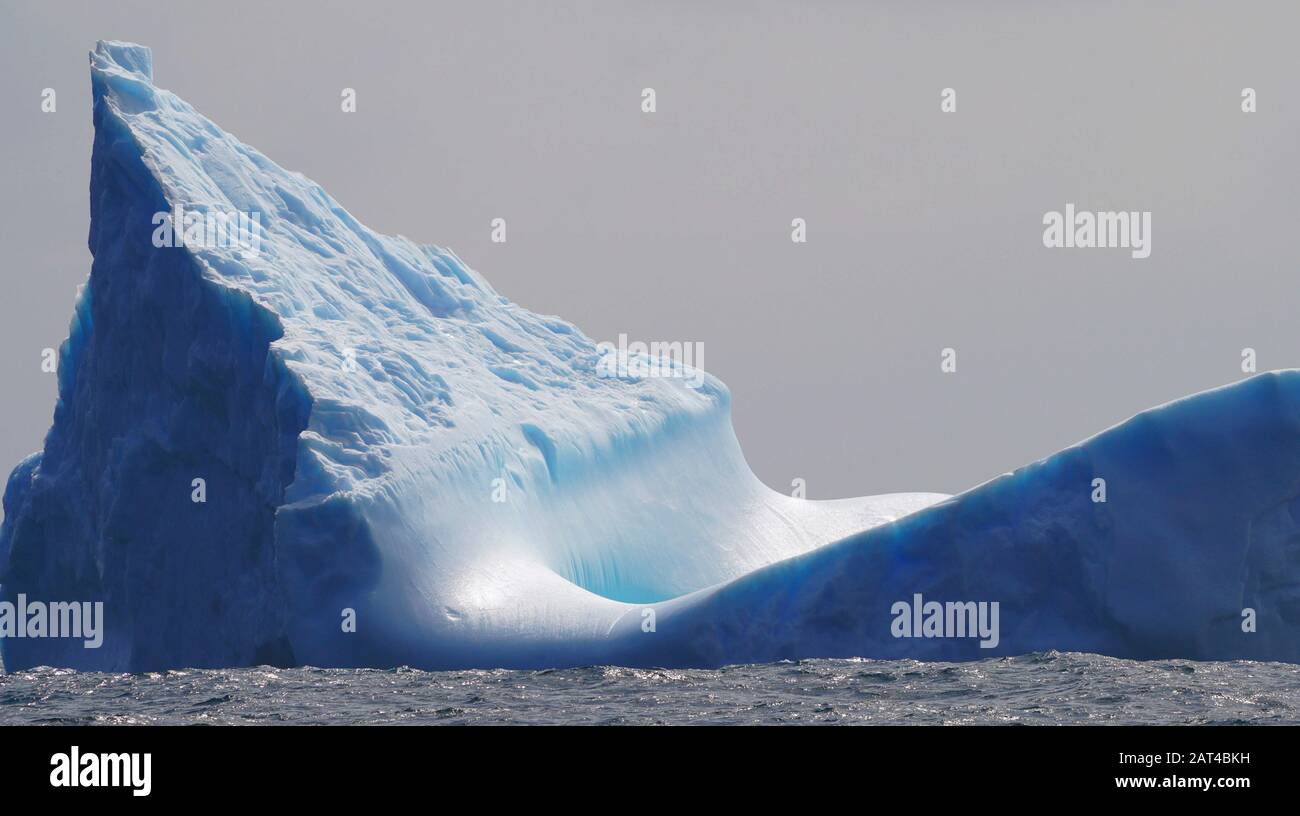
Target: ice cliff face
384	439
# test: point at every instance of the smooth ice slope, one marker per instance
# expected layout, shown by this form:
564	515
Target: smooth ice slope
1201	521
355	403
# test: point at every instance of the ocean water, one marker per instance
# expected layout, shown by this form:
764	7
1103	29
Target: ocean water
1044	688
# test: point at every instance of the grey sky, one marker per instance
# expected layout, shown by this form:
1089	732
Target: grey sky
924	228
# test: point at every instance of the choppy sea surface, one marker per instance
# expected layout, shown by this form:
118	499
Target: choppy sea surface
1044	688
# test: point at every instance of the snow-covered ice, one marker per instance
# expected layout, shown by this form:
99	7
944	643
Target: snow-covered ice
356	403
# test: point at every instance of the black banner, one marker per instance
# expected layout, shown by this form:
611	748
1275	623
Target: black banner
203	765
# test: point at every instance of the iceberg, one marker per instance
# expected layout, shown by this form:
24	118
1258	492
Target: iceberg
325	446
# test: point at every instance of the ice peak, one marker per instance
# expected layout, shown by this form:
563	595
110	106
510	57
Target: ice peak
124	56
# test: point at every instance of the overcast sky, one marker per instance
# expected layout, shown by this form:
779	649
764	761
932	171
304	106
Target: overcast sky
924	228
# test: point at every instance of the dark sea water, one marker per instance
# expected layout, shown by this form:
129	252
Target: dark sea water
1033	689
